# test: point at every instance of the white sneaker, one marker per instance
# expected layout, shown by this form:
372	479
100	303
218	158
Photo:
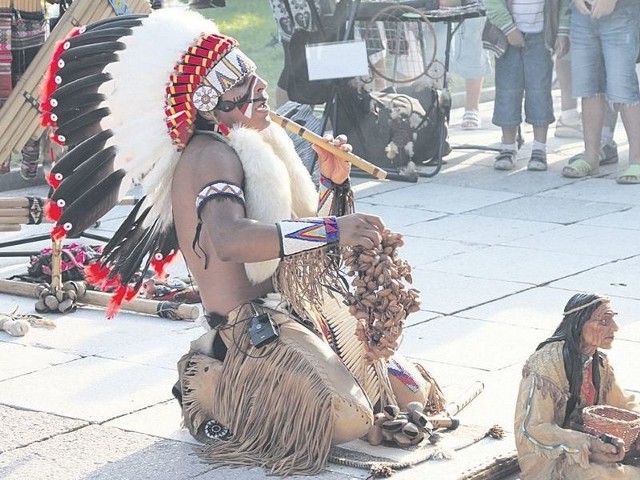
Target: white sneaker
569	128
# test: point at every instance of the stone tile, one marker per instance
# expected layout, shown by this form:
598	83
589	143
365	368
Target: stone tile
367	186
441	198
548	209
537	308
105	453
162	420
626	371
446	293
91	389
21	427
420	317
162	350
420	251
397	218
476	171
461	341
500	389
87	332
618	279
476	229
597	191
97	452
627	219
515	264
16	359
574	239
541	309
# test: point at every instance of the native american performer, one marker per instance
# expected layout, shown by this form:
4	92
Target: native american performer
567	373
23	29
169	102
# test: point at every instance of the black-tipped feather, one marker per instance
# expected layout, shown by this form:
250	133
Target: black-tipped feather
169	242
91	172
121	22
88	84
77	105
124	254
138	259
74	157
128	266
74	54
91	206
126	228
85	66
122	251
77	122
75	137
96	36
113	22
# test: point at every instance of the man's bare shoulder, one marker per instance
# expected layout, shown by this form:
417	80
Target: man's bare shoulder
205	159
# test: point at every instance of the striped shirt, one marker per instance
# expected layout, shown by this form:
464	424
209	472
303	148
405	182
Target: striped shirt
528	15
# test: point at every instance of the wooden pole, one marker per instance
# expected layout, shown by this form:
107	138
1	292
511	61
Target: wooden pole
316	139
13	212
19	119
56	265
464	399
171	310
12	220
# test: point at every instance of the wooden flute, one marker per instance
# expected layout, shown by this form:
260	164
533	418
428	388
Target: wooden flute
316	139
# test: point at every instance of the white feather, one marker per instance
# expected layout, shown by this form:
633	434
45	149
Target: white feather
277	184
136	98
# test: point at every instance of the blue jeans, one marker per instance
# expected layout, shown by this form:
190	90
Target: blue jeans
524	72
604	52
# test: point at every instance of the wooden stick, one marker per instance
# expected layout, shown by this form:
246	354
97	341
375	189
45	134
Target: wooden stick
12	220
171	310
316	139
56	265
18	118
14	212
14	202
475	389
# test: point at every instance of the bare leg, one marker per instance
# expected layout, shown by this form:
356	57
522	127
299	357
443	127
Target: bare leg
568	124
540	133
473	90
631	120
509	135
563	70
471	118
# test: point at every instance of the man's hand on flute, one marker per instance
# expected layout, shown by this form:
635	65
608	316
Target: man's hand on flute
332	167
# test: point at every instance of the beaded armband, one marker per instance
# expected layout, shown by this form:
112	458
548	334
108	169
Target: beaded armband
216	189
306	234
328	193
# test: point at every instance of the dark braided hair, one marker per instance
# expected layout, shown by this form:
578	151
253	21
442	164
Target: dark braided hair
570	331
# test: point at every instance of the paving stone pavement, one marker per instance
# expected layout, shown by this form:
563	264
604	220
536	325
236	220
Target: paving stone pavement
495	254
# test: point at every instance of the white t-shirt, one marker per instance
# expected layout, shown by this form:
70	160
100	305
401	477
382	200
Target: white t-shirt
528	15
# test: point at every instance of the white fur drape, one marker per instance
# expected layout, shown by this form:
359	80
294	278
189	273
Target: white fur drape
277	185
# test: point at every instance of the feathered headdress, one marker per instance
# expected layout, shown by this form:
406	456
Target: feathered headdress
123	95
